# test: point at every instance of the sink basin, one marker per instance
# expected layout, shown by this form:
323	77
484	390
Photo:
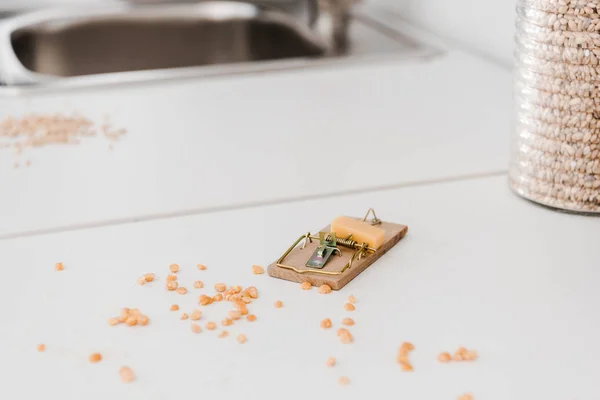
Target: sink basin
208	34
125	43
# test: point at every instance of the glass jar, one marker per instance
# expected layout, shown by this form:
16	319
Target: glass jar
555	154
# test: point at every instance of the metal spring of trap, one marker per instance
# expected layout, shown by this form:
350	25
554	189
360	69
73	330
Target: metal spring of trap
360	250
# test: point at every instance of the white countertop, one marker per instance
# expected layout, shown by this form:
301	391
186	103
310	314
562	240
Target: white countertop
226	159
240	140
479	268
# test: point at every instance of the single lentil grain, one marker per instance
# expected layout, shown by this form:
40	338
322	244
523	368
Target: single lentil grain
126	375
174	268
343	380
95	357
326	323
324	289
257	270
195	315
220	287
306	285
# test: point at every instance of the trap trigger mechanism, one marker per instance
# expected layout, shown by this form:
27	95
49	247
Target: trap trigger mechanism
327	248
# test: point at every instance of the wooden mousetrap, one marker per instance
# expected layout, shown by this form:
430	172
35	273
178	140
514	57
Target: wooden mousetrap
339	252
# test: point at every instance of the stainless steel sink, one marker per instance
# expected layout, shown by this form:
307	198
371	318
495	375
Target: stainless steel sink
154	39
122	43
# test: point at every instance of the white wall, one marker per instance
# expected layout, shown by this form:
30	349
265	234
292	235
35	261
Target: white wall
485	26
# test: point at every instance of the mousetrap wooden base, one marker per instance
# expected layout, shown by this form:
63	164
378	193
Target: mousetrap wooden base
298	258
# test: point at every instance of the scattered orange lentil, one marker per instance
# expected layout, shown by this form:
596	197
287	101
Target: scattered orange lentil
330	362
306	285
211	326
343	380
408	346
149	277
223	334
251	317
184	316
252	292
126	375
241	338
141	281
134	312
195	315
470	355
59	266
198	284
95	357
246	299
351	299
345	336
113	321
174	307
174	268
349	307
406	367
220	287
41	347
444	357
278	304
348	321
257	270
131	320
226	322
171	278
236	289
234	315
181	290
218	297
324	289
326	323
466	396
196	328
172	285
402	357
205	300
124	315
462	354
201	267
142	320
